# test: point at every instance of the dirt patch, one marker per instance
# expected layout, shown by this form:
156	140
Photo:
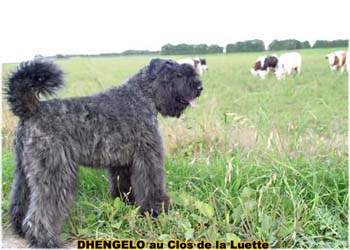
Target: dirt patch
10	240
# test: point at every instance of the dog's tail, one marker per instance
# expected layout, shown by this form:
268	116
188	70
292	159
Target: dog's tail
30	80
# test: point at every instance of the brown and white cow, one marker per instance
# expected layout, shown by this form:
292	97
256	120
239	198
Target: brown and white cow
339	60
263	65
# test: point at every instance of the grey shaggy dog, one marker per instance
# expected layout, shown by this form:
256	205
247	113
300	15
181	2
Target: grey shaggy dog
116	129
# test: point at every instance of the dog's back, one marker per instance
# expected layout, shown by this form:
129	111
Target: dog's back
75	123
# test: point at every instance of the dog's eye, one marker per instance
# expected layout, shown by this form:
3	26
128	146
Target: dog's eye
194	85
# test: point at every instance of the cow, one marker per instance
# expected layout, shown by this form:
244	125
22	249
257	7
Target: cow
263	65
288	63
339	60
199	64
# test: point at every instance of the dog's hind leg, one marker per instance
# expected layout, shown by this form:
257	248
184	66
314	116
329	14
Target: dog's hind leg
20	192
120	184
148	180
52	178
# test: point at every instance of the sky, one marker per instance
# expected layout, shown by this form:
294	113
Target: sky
50	27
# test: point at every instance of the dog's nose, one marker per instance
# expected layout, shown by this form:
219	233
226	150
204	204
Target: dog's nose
200	88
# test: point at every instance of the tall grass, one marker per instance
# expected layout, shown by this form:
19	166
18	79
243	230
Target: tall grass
254	160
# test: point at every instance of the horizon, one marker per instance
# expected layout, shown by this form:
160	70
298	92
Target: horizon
67	27
120	53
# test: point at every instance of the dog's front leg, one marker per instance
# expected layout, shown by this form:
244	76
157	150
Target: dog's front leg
148	179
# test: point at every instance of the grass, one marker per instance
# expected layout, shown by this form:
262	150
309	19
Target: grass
254	160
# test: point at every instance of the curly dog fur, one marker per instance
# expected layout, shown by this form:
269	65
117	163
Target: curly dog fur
116	129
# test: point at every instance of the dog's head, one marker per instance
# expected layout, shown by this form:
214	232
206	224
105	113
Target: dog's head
175	86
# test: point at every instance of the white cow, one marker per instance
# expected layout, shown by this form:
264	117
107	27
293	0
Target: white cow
339	60
199	64
288	63
260	73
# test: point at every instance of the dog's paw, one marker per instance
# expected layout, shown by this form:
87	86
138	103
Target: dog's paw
51	243
155	208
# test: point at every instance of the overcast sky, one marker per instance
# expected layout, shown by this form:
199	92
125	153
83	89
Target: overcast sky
50	27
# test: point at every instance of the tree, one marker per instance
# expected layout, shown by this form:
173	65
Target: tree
190	49
215	49
289	44
330	44
305	45
246	46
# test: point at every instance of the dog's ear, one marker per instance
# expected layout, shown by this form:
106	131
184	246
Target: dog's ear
187	70
159	66
156	65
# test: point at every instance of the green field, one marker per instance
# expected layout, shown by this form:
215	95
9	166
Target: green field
253	160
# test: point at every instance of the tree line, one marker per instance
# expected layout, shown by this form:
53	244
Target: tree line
255	45
130	52
184	49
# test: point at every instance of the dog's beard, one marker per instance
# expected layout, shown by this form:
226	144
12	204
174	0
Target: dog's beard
176	106
185	102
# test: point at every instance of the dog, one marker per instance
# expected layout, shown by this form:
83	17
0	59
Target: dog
116	129
199	64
